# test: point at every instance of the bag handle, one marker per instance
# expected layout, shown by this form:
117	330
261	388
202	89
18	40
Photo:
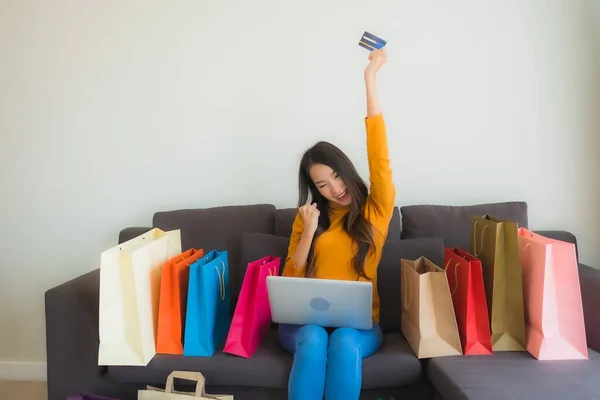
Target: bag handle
269	260
455	276
477	253
221	280
190	376
406	299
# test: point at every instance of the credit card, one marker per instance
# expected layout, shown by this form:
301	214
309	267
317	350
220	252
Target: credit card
371	42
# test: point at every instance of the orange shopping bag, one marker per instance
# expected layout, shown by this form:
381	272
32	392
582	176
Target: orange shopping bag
172	303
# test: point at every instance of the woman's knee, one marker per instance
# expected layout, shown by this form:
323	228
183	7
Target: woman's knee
345	340
354	342
312	337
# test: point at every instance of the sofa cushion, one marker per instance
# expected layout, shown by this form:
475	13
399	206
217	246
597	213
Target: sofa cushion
393	365
284	220
453	223
514	375
388	274
219	228
269	367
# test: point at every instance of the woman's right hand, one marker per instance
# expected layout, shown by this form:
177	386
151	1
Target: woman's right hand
376	60
310	217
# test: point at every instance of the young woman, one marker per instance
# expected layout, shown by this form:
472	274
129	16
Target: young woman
339	235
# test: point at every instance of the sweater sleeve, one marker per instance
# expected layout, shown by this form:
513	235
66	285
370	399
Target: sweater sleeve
382	193
290	268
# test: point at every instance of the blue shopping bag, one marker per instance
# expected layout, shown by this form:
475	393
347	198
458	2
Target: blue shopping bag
208	312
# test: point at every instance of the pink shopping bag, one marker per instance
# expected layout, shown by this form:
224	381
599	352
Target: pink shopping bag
252	317
552	297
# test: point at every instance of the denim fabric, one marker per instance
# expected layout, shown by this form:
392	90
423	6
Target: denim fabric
327	362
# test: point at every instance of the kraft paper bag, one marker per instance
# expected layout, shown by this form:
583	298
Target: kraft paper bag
208	315
465	277
428	321
173	302
252	317
496	243
129	294
554	318
153	393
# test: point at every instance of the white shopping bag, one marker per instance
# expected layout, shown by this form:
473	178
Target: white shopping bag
152	393
129	291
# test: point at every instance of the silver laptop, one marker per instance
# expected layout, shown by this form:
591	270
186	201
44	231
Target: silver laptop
324	302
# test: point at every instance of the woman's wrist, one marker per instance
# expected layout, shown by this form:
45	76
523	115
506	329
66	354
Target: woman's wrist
302	250
307	236
372	97
369	77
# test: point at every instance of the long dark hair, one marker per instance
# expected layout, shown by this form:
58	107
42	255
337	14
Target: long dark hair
357	226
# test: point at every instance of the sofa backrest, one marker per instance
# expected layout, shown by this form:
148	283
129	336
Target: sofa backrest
453	223
284	219
267	229
219	228
222	228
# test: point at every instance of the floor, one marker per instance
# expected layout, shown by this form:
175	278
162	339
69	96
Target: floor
11	390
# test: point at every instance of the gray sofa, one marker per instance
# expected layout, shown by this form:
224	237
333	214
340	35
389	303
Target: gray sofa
252	231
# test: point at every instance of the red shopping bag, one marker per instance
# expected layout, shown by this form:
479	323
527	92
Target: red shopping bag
465	278
252	316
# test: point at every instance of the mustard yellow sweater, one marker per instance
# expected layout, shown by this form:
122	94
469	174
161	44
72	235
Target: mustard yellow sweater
334	249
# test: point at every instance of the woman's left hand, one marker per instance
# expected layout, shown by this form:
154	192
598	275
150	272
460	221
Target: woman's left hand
377	58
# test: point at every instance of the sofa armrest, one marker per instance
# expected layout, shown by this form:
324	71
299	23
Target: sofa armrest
72	337
590	294
561	235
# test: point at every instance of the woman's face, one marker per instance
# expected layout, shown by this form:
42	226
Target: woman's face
330	184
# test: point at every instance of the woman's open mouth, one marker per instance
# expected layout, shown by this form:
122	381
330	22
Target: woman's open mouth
344	196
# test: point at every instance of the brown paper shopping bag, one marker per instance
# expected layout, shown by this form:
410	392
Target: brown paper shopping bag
496	243
428	320
153	393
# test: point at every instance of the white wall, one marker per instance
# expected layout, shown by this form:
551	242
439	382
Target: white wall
112	110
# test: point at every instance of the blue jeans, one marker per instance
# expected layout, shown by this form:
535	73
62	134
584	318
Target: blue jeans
327	365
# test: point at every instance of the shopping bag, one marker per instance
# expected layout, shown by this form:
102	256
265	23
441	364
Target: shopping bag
465	278
554	320
496	243
154	393
129	294
208	309
428	321
252	316
173	300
